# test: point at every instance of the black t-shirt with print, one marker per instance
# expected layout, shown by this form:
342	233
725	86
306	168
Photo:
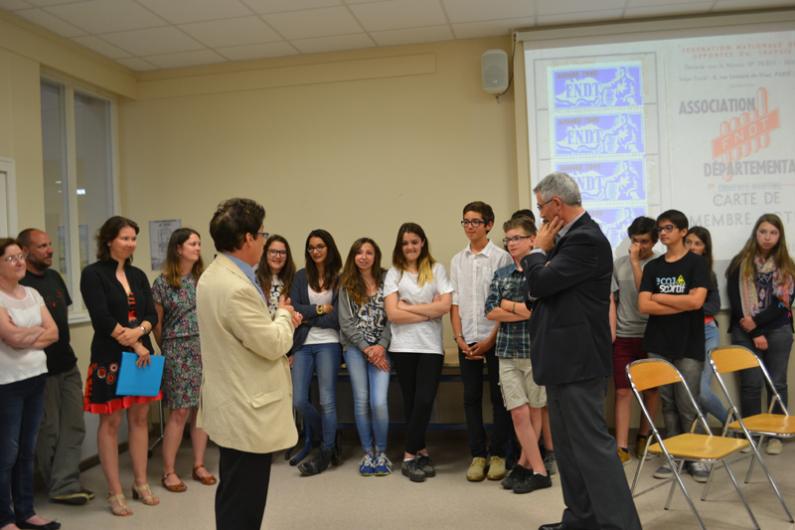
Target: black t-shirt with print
682	334
51	287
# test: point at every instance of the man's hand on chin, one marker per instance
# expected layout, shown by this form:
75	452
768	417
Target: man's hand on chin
545	239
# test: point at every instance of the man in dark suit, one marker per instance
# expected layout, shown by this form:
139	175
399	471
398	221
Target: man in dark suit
568	274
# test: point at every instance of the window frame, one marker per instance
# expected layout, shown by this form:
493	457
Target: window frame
78	314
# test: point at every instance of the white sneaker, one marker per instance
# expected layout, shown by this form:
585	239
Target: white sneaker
774	446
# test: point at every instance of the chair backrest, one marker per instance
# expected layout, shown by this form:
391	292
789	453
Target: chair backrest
646	374
651	373
730	359
733	358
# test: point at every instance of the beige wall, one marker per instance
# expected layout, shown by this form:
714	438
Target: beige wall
20	133
356	143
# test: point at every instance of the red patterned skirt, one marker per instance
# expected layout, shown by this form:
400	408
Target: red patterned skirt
100	395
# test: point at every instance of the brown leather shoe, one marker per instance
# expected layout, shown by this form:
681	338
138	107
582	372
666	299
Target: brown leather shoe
208	480
174	488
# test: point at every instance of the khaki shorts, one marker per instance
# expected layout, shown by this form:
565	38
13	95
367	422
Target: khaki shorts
517	385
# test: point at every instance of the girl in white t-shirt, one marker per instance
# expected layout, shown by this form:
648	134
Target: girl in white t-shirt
417	293
26	328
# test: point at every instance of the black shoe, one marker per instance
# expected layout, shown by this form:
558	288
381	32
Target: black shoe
318	464
516	474
532	482
411	469
52	525
555	526
426	464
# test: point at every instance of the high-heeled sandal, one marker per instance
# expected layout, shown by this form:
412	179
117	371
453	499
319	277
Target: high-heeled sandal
118	506
208	480
179	487
144	494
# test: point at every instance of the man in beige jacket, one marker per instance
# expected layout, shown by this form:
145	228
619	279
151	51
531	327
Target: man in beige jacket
246	404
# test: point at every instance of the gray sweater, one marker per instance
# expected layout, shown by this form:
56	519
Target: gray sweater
350	334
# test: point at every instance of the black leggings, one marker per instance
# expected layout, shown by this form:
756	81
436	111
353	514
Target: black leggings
418	375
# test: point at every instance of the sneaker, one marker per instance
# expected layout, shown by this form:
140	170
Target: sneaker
412	470
382	465
664	471
367	466
531	482
78	498
426	464
550	462
477	469
624	456
516	473
699	471
496	468
774	446
640	445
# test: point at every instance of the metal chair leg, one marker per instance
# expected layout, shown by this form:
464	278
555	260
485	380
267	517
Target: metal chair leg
758	456
740	494
678	480
705	491
677	468
751	465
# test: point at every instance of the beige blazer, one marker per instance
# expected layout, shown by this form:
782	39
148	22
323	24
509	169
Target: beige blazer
246	399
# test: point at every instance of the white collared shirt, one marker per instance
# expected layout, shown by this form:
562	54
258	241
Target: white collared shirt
471	274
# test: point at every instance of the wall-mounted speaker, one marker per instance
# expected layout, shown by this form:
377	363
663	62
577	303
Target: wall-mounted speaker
494	76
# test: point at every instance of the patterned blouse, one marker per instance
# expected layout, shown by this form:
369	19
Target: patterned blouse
179	306
371	317
277	286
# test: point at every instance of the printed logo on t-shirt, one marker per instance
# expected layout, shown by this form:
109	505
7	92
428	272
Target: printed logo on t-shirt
671	285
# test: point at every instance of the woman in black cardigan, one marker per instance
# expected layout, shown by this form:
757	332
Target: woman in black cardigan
119	302
316	347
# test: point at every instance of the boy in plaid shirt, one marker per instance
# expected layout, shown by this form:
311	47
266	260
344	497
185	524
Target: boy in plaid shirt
522	396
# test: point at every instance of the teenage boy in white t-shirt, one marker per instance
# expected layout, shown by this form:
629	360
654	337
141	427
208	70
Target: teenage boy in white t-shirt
471	271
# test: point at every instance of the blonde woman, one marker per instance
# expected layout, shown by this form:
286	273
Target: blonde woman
417	293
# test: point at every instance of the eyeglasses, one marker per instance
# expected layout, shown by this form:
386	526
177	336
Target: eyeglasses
666	228
275	253
474	222
16	258
540	206
319	248
265	235
514	239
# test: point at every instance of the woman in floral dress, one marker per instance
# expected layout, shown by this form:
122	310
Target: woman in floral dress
177	333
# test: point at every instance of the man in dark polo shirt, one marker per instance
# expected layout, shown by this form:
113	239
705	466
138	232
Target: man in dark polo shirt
62	428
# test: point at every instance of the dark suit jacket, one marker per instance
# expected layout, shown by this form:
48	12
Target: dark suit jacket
570	329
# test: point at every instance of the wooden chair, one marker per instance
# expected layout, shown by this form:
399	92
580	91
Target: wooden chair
648	374
731	359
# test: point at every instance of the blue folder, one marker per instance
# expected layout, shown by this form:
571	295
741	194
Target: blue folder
134	381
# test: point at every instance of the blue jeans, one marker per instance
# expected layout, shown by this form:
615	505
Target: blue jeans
370	386
775	359
710	403
21	408
325	359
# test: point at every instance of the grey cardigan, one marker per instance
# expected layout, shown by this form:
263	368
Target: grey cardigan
350	335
